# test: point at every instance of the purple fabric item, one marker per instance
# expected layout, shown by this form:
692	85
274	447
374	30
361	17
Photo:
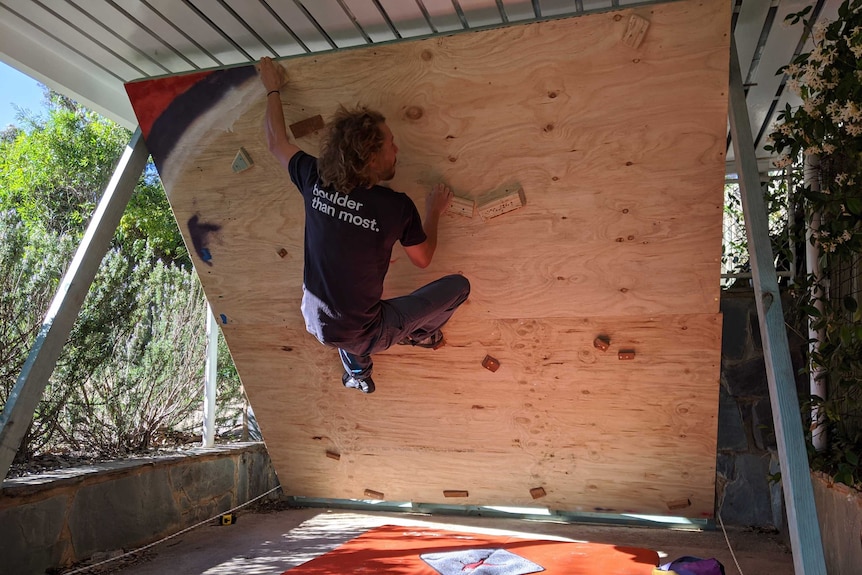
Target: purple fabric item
694	566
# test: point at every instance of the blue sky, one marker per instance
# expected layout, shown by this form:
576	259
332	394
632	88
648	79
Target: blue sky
19	89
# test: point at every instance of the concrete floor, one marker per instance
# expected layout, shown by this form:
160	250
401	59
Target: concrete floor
269	543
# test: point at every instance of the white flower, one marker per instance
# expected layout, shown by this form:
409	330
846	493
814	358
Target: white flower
831	79
793	86
827	55
813	76
849	112
828	148
782	162
846	236
810	106
820	31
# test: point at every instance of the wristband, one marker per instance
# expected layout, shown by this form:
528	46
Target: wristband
273	92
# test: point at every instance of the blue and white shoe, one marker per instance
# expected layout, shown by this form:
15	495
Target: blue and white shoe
365	385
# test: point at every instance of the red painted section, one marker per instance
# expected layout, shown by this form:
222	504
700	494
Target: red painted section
150	98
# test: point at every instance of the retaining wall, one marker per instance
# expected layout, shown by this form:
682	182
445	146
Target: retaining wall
60	518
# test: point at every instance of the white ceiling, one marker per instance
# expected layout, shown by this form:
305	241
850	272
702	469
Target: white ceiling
87	49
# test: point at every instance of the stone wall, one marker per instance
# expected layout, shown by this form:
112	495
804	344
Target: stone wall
747	451
61	518
839	510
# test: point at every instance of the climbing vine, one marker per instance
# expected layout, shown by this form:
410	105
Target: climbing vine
828	125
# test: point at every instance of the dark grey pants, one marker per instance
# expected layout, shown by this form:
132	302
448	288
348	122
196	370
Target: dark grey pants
417	316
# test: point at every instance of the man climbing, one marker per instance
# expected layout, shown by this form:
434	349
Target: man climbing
351	224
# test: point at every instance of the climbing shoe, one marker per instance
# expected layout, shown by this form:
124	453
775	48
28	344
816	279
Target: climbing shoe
365	385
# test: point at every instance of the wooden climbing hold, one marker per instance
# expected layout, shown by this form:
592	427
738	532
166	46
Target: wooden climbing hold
635	31
455	493
678	504
241	162
371	494
602	342
333	455
307	126
461	207
496	205
490	363
537	492
626	354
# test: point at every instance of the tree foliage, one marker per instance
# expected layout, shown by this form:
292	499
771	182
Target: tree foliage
131	372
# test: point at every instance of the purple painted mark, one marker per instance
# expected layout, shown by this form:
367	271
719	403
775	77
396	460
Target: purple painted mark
200	232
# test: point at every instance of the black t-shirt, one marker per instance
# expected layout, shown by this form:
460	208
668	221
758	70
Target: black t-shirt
348	246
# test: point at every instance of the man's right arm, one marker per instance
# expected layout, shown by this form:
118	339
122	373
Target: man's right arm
276	131
436	202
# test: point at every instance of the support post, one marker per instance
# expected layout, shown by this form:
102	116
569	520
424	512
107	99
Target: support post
24	397
210	376
805	537
811	177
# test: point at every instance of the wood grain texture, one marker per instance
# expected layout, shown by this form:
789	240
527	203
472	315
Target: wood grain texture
620	154
558	412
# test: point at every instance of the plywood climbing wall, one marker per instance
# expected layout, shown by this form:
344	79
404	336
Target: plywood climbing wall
618	148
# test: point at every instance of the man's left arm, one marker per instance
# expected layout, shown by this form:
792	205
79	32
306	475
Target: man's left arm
436	202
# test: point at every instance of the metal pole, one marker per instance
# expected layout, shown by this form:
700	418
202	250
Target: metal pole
817	381
805	539
61	316
210	376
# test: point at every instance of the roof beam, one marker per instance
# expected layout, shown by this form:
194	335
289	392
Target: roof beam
50	66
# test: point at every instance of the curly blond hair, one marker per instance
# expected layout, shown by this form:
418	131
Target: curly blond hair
348	146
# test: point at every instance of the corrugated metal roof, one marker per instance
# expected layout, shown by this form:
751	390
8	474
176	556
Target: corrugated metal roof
87	49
